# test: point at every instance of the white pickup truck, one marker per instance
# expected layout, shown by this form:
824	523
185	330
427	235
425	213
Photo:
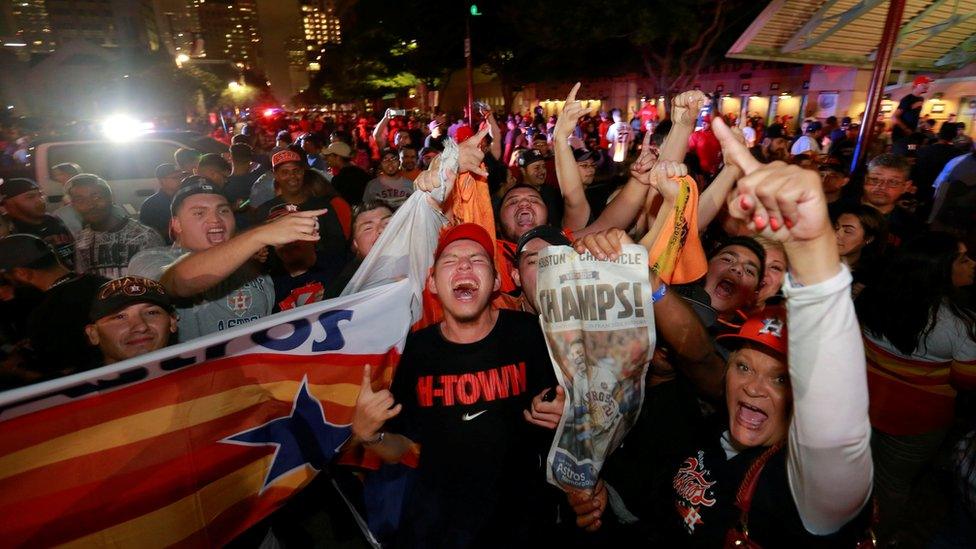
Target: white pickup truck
129	167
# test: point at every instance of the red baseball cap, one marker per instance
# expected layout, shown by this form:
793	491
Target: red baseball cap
466	231
766	328
462	134
284	156
922	80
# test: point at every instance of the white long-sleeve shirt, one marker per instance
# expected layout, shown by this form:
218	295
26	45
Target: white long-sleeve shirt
829	454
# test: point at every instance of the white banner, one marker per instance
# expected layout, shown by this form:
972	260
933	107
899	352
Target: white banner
375	320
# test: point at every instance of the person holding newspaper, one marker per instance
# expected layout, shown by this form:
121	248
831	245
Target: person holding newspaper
791	465
461	390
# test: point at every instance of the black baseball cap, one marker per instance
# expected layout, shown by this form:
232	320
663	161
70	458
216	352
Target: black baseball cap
22	250
10	188
548	233
118	294
529	156
582	155
194	184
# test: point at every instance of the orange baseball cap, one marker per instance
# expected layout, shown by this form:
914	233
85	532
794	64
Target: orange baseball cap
766	328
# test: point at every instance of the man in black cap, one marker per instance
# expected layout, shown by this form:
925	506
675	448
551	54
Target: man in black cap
210	272
108	240
130	316
23	202
55	327
155	210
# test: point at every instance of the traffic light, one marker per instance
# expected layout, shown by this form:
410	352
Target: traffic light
474	10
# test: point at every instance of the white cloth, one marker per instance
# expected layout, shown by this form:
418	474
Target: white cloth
829	454
406	247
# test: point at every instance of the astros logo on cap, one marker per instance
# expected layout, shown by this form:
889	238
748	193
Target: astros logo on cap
772	326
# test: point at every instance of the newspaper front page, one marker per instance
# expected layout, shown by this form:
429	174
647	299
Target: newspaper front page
599	325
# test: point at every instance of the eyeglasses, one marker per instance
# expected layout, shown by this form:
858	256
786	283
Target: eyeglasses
886	183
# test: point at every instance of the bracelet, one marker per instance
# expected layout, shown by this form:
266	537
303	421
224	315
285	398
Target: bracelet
659	293
377	440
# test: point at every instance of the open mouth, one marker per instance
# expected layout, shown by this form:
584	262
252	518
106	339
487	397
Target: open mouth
216	235
525	218
751	417
726	288
465	291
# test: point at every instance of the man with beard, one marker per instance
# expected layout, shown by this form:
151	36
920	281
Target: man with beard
109	241
461	390
23	202
209	271
389	185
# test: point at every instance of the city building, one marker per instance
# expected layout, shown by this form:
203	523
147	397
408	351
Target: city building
107	23
179	26
321	26
229	29
25	26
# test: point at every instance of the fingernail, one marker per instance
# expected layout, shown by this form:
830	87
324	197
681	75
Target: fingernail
788	222
744	203
759	221
773	224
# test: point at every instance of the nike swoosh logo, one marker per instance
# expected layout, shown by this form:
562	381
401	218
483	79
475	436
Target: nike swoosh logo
469	417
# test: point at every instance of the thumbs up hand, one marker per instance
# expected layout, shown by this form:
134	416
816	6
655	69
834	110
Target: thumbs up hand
372	409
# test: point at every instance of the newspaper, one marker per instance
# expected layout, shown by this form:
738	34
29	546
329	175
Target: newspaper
599	325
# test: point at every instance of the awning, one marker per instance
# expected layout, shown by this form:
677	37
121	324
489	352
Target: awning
935	35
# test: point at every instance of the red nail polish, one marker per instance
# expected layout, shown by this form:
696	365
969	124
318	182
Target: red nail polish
744	203
788	222
759	221
773	224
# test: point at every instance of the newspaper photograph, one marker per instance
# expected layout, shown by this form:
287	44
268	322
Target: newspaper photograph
598	320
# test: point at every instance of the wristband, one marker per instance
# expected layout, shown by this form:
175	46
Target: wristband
659	293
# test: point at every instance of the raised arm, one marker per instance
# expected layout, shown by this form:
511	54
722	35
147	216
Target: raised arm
199	271
634	197
496	135
577	210
829	454
381	130
713	198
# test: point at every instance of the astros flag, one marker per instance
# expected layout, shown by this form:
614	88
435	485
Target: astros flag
192	444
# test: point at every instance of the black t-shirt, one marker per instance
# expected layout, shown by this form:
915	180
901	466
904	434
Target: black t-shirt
295	291
673	474
704	489
238	187
155	213
56	327
911	108
332	249
350	183
52	231
903	225
480	479
928	165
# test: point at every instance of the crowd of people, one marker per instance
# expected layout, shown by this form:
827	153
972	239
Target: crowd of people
758	426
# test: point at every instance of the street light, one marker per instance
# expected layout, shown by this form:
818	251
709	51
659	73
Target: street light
182	58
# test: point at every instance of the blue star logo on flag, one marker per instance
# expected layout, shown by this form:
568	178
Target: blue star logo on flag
303	437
